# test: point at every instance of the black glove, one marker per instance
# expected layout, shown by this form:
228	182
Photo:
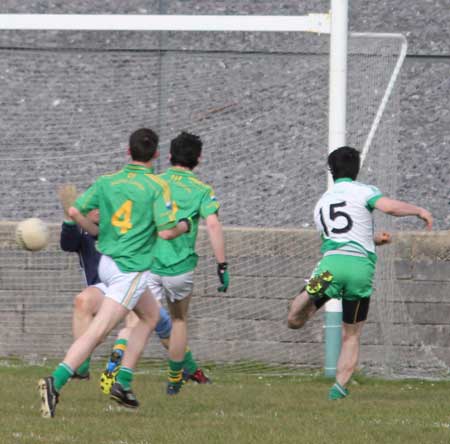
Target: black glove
222	272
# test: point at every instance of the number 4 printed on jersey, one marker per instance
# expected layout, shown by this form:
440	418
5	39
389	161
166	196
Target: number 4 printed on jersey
122	217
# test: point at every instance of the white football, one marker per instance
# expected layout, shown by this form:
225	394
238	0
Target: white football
32	234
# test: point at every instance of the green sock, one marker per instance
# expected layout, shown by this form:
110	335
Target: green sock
125	377
337	391
61	375
83	369
175	372
120	344
189	363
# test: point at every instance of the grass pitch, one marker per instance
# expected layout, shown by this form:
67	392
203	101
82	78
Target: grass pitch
234	409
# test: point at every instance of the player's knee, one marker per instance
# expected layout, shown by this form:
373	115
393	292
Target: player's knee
150	321
294	322
82	304
178	312
130	321
149	315
350	336
297	318
292	325
346	336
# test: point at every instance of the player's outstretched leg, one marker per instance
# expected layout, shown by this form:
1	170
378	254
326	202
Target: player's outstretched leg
49	397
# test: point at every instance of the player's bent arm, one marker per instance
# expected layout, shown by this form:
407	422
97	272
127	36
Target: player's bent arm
216	238
183	226
85	223
399	208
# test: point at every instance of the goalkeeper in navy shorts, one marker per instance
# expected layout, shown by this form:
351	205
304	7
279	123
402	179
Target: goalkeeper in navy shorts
88	302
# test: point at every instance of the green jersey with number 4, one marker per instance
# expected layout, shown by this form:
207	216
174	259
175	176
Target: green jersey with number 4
133	204
194	199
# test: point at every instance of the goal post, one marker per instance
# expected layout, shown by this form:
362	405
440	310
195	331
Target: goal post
318	23
337	136
335	24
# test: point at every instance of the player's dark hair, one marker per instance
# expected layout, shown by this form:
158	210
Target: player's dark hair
143	144
185	150
344	162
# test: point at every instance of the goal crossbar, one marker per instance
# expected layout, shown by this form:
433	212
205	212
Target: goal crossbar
318	23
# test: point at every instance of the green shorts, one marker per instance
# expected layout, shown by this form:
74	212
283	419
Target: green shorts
352	276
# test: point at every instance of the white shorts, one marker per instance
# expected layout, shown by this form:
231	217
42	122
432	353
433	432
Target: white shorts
101	286
124	288
174	288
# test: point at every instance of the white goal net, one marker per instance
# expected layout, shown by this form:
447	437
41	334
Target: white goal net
259	101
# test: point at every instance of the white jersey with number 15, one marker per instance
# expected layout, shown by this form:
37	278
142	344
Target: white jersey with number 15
344	213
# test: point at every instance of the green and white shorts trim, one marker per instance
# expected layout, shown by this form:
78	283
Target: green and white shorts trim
124	288
174	288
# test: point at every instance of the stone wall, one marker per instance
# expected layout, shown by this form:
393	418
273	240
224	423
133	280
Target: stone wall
407	330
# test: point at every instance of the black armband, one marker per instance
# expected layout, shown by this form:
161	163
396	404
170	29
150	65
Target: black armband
188	222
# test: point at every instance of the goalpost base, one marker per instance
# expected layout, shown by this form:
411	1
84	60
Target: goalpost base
332	336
